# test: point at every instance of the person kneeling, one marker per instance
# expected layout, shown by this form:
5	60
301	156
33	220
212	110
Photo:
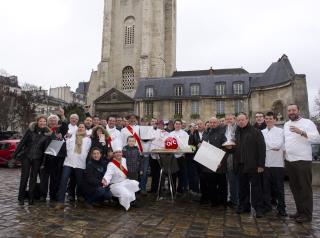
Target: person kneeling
116	177
94	191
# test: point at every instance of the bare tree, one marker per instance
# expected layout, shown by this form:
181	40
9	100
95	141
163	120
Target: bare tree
317	103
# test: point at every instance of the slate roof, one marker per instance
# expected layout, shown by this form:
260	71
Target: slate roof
209	72
278	73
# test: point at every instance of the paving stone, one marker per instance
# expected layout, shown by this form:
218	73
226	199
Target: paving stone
184	218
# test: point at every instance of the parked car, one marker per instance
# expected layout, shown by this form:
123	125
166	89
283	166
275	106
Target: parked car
7	147
315	151
7	135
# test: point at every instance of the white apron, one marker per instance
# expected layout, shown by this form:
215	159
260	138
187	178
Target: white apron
120	186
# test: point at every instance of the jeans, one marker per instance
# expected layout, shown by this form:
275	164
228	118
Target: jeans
66	172
192	173
233	181
144	176
101	194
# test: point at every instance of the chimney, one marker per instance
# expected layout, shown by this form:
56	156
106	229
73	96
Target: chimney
211	71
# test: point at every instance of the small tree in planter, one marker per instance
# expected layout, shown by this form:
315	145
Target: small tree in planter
221	115
177	116
194	116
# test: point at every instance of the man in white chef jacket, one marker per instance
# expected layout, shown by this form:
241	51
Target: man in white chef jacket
299	133
273	175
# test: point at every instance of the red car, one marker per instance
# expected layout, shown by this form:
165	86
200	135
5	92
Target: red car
7	147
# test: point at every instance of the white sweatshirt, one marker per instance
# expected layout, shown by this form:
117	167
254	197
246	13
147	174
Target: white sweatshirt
274	139
298	147
77	160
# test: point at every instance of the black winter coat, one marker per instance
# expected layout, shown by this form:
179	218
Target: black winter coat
34	143
250	150
93	175
216	137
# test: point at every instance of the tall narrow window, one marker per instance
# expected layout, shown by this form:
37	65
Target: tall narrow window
178	90
149	92
148	109
129	25
220	89
178	108
194	89
220	107
127	78
238	106
238	88
195	107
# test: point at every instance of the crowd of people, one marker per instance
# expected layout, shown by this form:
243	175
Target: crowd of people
103	160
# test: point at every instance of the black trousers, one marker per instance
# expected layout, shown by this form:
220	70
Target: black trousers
51	173
214	188
273	181
182	175
29	172
300	181
245	180
155	174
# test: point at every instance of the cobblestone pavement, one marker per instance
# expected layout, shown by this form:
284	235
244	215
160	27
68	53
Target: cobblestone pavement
153	219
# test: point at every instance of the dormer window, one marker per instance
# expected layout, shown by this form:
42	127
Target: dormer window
238	88
220	89
195	89
149	92
178	90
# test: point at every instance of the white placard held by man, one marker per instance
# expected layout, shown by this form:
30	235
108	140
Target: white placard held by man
209	156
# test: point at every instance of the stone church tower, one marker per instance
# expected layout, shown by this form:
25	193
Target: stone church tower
139	41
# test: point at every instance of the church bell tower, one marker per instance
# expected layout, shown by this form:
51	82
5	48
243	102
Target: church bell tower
138	41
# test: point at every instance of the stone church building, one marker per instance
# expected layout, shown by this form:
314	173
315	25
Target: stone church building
137	73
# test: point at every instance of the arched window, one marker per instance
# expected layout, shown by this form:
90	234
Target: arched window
129	31
127	78
278	110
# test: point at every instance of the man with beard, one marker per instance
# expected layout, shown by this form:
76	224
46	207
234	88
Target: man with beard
299	133
250	154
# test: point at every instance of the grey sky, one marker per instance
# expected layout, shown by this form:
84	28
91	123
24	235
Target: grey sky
57	42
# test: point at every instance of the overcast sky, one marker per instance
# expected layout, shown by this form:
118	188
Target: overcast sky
58	42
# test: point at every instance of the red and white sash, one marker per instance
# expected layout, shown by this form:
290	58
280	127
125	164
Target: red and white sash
123	169
135	135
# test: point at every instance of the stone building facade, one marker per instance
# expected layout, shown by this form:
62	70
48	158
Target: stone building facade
203	94
137	73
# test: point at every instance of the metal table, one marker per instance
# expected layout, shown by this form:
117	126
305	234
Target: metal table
168	165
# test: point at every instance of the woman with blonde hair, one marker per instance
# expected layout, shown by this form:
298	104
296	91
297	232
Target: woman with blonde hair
78	147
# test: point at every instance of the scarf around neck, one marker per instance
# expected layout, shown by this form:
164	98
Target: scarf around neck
79	139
